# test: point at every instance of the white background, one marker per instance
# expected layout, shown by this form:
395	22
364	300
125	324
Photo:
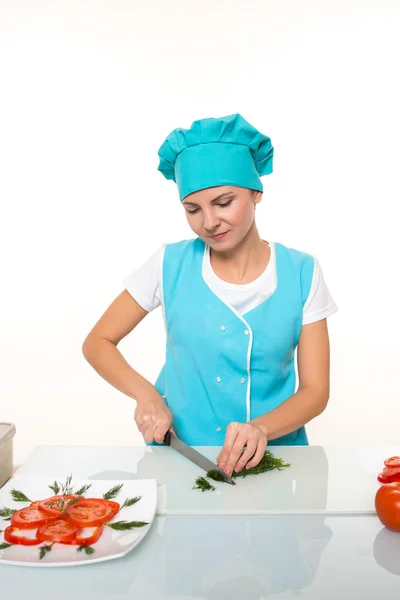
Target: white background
89	91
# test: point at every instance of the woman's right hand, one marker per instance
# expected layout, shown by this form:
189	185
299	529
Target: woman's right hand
153	418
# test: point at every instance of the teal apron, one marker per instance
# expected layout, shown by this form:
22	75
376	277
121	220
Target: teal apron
222	366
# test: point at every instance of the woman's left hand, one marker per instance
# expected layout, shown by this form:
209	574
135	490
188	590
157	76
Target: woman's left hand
238	435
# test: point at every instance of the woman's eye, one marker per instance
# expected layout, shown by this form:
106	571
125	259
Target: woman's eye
226	203
193	212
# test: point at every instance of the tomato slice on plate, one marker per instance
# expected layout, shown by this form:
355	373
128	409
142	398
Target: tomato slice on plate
392	462
114	505
11	537
29	518
48	505
90	539
89	512
389	475
57	531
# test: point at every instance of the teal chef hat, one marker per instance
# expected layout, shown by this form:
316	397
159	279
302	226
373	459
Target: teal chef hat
214	152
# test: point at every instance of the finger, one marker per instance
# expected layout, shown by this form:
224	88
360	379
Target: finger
231	433
148	433
262	443
236	452
249	452
160	431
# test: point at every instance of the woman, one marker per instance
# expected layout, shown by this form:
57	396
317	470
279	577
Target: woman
236	308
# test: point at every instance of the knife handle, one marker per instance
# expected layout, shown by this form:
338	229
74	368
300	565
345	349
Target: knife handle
167	438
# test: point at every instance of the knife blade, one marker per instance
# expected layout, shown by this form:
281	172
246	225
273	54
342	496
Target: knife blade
198	459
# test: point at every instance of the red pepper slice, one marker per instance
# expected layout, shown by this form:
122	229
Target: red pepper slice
11	537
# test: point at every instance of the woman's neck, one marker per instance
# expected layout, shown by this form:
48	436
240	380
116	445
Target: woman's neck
245	262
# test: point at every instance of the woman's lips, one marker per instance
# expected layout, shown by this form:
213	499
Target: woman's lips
220	236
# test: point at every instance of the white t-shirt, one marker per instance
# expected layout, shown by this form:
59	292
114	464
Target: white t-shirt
144	285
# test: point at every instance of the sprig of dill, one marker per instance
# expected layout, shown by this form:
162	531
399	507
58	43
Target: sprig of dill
203	485
45	548
126	525
87	549
19	496
7	513
83	489
113	492
267	463
131	501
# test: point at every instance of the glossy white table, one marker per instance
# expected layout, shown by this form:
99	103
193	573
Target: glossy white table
220	557
319	480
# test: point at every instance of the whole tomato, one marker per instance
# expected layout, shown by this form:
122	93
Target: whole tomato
387	505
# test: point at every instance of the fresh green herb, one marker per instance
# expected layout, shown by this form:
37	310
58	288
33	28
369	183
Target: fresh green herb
4	546
203	485
7	513
88	550
19	496
267	463
126	525
216	476
131	501
113	492
1	530
55	487
83	489
44	549
66	490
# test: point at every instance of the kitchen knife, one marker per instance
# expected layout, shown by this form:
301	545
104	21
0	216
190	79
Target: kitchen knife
174	442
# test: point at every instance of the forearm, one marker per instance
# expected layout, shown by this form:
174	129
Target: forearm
308	402
109	363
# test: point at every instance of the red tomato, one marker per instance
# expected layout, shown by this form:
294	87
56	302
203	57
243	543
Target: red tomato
393	461
389	475
89	540
387	505
45	505
114	505
29	518
89	512
57	531
11	537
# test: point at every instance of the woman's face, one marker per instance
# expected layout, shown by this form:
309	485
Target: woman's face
221	216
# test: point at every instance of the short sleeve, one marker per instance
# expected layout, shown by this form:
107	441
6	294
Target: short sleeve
319	304
144	284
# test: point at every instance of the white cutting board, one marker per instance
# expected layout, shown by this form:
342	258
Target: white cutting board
319	480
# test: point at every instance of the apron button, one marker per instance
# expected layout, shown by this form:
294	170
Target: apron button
243	380
223	328
219	379
218	429
246	332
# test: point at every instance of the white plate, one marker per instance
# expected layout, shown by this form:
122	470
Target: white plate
112	544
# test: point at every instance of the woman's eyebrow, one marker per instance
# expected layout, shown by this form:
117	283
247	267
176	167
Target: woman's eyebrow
213	200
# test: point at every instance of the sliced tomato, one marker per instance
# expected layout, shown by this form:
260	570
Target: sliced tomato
48	505
392	462
389	475
57	531
30	517
89	512
90	539
114	505
11	536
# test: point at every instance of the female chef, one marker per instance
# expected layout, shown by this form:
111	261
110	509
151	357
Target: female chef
236	308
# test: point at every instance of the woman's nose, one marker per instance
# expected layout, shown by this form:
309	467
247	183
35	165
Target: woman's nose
211	221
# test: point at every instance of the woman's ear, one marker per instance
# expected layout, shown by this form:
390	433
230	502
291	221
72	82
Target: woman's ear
257	196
